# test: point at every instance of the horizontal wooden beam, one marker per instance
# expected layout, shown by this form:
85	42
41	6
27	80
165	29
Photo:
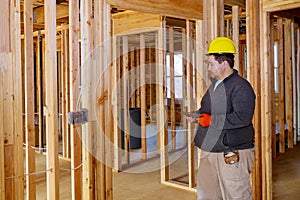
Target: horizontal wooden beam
134	22
277	5
240	3
190	9
62	11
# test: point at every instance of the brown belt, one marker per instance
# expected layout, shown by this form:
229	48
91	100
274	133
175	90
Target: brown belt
231	157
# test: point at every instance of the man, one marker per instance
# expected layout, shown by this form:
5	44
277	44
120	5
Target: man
225	133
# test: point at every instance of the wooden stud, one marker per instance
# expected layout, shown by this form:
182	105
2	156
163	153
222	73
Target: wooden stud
272	82
87	75
18	100
190	99
106	27
132	79
201	70
29	99
98	141
236	38
143	93
253	75
51	100
2	154
294	76
157	48
184	84
125	100
288	82
266	110
65	93
281	86
39	86
160	118
172	88
74	79
116	102
138	81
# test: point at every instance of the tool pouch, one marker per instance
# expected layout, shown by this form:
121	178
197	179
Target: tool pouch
231	157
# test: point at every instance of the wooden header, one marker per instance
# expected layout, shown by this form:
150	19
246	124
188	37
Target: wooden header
189	9
129	22
277	5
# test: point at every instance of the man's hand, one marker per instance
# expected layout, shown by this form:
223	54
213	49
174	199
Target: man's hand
204	120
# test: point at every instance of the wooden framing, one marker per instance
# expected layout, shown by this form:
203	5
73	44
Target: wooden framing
266	109
130	22
281	93
172	87
288	82
18	101
74	79
191	106
236	39
188	9
88	170
160	118
143	93
253	75
29	100
51	98
2	148
125	100
97	175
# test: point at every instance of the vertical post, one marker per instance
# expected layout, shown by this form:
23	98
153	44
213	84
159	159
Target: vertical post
133	78
18	100
254	76
281	106
88	129
143	94
294	76
160	119
2	174
288	82
29	99
106	27
116	89
266	109
172	87
125	100
65	92
74	79
201	71
51	100
184	92
190	95
236	38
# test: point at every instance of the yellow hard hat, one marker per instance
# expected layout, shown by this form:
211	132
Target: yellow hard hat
221	45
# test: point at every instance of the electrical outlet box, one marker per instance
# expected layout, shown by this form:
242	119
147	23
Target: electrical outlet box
78	117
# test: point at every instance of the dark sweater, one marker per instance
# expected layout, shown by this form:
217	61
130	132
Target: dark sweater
231	106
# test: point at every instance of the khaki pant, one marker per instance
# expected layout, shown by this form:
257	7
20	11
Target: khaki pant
218	180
